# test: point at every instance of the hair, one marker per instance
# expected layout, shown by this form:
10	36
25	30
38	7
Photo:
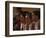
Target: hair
29	14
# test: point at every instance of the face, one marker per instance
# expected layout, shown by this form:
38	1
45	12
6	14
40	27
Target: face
17	17
21	18
27	19
33	17
36	18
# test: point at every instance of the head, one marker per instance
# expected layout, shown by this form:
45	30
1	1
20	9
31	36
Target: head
36	15
21	18
28	17
17	17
